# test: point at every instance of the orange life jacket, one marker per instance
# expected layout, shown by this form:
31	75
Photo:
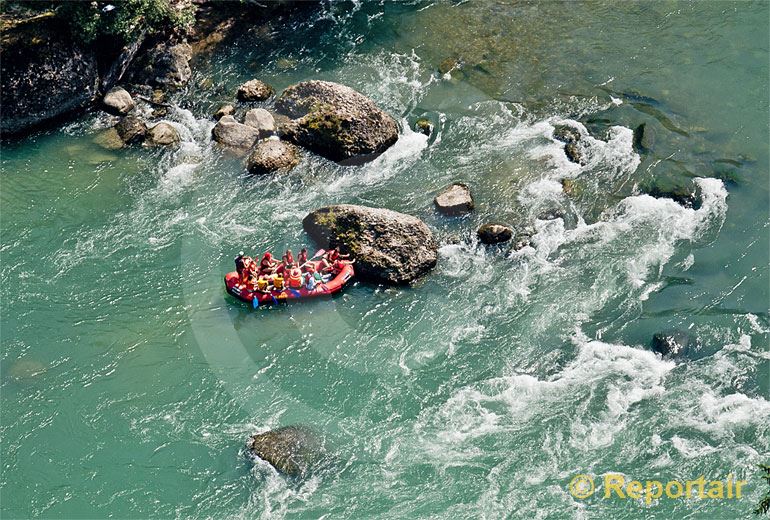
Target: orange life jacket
295	279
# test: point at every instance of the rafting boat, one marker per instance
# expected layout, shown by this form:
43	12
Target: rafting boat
257	298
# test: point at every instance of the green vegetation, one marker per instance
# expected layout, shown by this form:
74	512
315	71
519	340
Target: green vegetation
121	20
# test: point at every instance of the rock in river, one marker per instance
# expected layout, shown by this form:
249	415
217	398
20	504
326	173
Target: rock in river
672	343
388	246
493	233
260	119
292	450
118	102
163	134
455	199
224	110
271	155
336	121
230	132
131	129
254	90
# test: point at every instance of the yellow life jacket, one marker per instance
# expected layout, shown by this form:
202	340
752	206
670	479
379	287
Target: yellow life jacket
262	284
278	283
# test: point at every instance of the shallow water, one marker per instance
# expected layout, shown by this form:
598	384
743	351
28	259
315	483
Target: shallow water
130	381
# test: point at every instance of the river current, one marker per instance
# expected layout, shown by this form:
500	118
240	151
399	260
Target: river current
131	381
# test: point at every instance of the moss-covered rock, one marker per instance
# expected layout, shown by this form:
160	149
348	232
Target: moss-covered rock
389	247
336	121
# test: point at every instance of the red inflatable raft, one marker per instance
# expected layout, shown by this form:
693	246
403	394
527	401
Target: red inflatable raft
255	298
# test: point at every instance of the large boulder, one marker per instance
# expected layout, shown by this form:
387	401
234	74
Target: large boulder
455	199
292	450
336	121
230	132
43	75
162	134
118	102
271	155
493	233
260	119
388	246
165	65
254	90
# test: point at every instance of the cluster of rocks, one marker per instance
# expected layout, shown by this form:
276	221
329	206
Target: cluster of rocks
131	129
327	118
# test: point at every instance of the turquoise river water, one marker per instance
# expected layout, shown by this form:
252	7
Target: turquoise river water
131	381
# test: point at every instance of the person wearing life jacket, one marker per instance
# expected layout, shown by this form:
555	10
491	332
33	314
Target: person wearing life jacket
278	282
246	269
302	258
239	264
267	265
313	278
338	265
262	283
295	278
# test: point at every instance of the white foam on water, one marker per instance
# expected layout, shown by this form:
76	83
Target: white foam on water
630	375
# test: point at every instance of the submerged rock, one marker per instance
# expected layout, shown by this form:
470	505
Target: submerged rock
570	137
683	195
43	75
262	120
165	65
131	129
644	138
455	199
109	139
336	121
493	233
388	246
292	450
118	102
224	110
566	134
672	343
163	134
424	126
254	90
271	155
230	132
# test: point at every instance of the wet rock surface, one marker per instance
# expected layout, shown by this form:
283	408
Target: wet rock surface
455	199
271	155
292	450
494	233
389	247
230	132
118	102
254	90
336	121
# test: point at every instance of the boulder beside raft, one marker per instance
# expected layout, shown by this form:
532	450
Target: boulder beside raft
389	247
336	121
271	155
493	233
230	132
455	199
292	450
254	90
118	102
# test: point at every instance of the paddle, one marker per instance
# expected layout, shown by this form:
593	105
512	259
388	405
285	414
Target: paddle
318	253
